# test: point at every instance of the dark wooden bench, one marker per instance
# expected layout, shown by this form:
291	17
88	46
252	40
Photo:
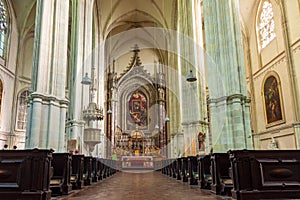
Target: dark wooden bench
164	167
100	168
221	174
87	172
94	169
174	170
168	164
184	169
106	172
178	168
62	166
193	170
25	174
204	170
265	174
77	171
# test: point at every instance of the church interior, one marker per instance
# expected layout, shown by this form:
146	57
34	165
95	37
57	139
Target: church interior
142	82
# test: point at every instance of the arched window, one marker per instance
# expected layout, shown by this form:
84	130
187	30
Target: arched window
1	94
3	28
22	110
273	108
266	25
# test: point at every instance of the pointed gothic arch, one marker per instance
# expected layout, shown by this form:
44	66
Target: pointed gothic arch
265	24
22	109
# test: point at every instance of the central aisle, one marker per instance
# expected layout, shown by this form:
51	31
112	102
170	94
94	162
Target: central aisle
141	186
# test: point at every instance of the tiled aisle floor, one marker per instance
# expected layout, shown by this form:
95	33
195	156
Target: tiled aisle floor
140	186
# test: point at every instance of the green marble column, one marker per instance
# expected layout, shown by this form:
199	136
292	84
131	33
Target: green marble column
228	101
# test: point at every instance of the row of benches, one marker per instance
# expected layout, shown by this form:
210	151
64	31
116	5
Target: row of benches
39	174
72	172
242	174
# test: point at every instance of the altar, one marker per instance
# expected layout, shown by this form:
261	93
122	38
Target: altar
137	162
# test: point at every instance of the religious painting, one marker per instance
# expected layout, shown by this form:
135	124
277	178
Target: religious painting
272	97
138	109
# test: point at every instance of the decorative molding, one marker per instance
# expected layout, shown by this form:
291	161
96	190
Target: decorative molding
7	71
277	130
198	122
263	71
295	46
229	99
47	98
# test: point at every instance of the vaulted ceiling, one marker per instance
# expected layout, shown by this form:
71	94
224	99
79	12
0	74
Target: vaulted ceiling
121	15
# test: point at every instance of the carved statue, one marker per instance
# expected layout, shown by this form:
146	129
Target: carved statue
201	141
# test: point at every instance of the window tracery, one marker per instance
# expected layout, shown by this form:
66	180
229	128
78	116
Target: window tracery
22	110
3	28
266	25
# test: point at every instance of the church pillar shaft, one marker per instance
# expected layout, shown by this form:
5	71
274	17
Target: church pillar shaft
193	102
230	125
49	75
80	63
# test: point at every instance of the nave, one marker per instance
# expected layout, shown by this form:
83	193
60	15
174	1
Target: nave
140	186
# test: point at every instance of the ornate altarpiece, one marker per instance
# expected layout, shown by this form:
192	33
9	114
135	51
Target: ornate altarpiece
136	104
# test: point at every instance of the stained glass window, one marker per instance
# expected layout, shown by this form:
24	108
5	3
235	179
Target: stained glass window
3	28
22	110
266	25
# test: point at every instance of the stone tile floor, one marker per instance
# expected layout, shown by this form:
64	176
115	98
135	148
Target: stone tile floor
140	186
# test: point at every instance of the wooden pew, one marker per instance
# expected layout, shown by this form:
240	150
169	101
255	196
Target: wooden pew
77	171
62	166
100	168
265	174
193	170
94	170
25	174
113	167
169	167
184	169
106	170
221	174
174	170
204	170
178	168
87	172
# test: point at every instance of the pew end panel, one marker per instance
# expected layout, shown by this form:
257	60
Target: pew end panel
222	183
60	182
87	171
25	174
204	170
77	172
265	174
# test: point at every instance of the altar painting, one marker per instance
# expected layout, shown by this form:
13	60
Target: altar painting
137	107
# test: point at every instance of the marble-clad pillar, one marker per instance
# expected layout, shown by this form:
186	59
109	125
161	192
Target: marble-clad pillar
228	101
47	102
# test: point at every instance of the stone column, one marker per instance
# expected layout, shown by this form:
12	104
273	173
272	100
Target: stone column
229	105
193	101
47	102
81	59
